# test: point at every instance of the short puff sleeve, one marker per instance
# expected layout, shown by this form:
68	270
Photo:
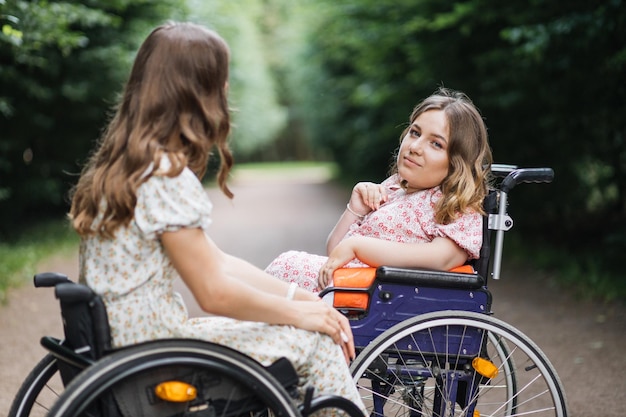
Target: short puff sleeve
166	204
466	231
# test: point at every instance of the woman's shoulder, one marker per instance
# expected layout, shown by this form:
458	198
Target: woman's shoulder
171	187
179	185
165	175
166	203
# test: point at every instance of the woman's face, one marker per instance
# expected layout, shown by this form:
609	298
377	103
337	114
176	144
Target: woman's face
423	156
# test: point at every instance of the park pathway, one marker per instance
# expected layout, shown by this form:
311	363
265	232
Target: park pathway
270	214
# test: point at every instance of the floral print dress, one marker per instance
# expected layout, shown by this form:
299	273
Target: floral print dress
135	278
405	218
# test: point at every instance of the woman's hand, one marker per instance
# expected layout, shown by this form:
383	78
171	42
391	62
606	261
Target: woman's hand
343	253
367	196
320	317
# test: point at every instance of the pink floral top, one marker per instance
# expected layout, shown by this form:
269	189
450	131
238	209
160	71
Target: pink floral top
410	218
404	218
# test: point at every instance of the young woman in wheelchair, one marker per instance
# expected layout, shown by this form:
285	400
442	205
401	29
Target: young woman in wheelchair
426	214
143	217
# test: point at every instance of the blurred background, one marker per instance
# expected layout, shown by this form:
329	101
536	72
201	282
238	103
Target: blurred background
333	82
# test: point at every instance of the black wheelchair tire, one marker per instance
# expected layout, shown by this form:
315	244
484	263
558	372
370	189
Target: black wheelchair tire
126	363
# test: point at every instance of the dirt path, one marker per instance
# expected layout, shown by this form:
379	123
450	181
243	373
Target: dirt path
584	340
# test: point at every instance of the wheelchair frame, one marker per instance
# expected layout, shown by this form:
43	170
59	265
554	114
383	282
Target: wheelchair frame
427	345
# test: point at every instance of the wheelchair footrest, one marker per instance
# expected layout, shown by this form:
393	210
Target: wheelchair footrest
69	362
64	354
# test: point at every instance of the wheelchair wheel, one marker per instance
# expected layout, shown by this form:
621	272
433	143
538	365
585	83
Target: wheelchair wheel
39	391
217	381
455	363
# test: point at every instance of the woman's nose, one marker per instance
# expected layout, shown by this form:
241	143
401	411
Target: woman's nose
416	146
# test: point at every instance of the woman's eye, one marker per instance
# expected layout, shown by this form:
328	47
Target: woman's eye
414	133
437	144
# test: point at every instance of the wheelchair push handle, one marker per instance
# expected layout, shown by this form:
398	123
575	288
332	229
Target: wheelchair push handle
65	289
516	176
49	279
526	175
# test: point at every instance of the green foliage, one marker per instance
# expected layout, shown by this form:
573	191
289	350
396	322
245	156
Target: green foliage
365	90
62	63
587	276
258	116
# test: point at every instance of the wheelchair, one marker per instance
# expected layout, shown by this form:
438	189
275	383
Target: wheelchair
427	345
83	375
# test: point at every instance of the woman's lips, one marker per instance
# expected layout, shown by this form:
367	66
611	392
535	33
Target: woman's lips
411	161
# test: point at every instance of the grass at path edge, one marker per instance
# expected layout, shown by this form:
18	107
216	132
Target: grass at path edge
20	257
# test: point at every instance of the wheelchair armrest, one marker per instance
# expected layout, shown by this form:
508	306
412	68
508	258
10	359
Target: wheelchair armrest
429	278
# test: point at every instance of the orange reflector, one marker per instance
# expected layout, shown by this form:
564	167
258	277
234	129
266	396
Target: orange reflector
176	391
485	368
476	413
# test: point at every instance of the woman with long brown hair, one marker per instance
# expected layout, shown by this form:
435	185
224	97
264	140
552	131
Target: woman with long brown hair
144	217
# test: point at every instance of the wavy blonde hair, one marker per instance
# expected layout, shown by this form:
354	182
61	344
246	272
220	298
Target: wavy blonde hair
469	154
174	104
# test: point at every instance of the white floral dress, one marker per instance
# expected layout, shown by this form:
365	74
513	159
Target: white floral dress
405	218
135	278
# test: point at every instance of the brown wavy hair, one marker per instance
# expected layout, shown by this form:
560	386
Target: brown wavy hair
174	104
466	184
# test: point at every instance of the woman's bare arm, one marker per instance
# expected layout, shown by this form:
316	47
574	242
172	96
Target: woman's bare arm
442	253
222	285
